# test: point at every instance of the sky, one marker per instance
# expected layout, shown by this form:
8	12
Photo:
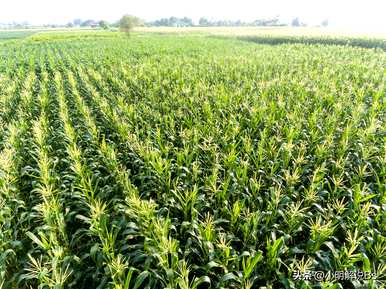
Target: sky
355	14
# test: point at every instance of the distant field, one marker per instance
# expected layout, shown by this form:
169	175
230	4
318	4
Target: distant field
260	31
192	161
281	35
53	32
15	34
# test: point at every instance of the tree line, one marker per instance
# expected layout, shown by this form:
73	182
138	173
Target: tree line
188	22
130	21
205	22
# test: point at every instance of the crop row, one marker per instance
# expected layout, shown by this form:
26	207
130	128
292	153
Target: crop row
198	163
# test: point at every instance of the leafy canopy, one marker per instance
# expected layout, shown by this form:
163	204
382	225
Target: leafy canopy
128	22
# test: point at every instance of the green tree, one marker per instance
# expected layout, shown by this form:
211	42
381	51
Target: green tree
104	24
296	22
128	22
204	22
325	23
77	22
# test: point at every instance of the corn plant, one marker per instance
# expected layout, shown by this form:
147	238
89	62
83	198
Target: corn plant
187	161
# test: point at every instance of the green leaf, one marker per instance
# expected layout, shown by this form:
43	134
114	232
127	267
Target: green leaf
128	278
201	280
140	279
228	277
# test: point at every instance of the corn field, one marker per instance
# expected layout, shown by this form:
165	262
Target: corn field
190	162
